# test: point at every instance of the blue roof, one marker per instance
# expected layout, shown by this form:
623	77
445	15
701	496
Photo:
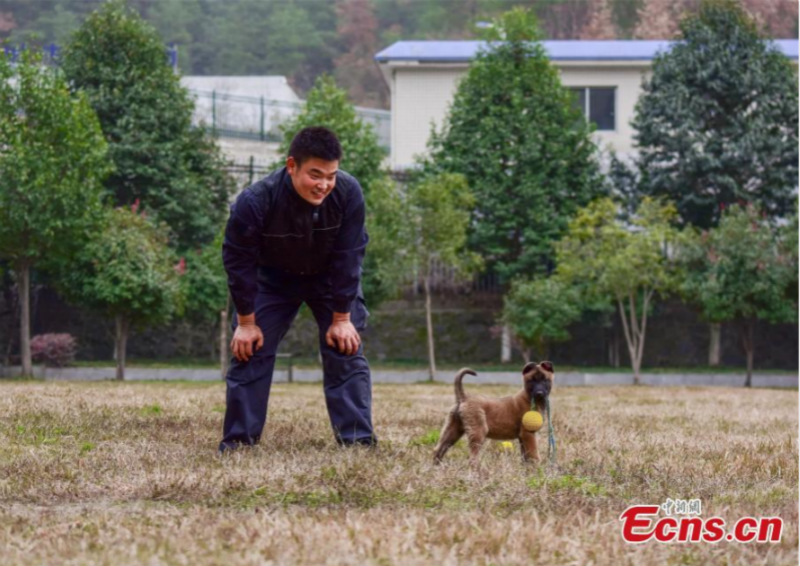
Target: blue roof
559	50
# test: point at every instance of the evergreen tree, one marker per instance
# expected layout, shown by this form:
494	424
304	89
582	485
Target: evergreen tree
717	122
175	171
514	132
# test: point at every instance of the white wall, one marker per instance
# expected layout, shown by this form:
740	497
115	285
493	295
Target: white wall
628	83
419	97
422	95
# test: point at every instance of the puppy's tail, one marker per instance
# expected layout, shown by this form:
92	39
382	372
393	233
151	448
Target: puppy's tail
460	395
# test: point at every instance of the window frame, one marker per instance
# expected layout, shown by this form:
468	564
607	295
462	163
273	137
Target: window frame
587	98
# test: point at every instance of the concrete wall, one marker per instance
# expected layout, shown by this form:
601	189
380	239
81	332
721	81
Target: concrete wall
463	325
264	153
563	379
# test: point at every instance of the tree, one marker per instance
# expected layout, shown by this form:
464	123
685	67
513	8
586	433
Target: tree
120	62
205	287
357	28
327	105
252	37
717	122
625	263
657	19
128	274
539	312
387	263
52	162
438	215
743	271
601	22
515	133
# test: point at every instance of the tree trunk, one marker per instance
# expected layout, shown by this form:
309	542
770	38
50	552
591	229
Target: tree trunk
223	342
637	366
635	330
630	339
642	333
542	350
429	321
748	329
714	345
505	345
120	345
613	343
24	272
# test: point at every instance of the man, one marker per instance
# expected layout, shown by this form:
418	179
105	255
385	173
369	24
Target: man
298	236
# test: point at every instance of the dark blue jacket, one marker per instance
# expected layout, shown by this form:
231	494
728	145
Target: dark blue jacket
271	226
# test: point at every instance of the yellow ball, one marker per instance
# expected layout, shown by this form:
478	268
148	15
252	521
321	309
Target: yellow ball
506	445
532	421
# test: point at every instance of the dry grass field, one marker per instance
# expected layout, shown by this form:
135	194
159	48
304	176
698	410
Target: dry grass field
107	473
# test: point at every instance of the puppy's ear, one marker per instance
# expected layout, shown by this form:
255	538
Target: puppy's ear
528	367
547	366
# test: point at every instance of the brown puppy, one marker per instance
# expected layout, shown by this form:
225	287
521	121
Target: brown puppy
482	417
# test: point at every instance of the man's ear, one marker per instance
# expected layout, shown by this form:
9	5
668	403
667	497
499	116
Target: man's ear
528	367
291	165
547	366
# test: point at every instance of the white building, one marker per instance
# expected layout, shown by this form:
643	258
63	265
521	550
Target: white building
423	76
252	105
246	112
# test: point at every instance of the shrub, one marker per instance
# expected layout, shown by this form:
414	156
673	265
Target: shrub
54	350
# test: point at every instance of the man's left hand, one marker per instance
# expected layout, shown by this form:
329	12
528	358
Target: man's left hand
342	335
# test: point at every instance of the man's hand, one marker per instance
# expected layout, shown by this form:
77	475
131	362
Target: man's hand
342	335
247	333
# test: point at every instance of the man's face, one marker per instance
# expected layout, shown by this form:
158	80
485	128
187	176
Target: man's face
314	179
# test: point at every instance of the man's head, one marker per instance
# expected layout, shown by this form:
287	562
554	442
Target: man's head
313	162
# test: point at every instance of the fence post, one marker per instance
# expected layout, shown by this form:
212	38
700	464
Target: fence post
263	137
214	110
251	170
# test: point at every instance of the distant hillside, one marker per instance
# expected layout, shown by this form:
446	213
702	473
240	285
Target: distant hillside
303	38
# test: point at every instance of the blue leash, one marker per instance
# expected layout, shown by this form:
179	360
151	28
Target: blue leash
551	434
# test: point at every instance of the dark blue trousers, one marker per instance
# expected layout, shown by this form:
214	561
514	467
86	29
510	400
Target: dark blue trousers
346	379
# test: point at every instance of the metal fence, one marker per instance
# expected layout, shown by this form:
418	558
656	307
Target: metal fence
259	118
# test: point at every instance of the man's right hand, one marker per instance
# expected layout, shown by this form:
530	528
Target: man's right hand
247	338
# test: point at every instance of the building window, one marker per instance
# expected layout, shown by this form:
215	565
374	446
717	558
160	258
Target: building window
597	104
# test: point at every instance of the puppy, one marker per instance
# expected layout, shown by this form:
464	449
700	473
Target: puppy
481	417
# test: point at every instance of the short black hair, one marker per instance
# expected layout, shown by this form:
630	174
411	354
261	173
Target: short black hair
315	141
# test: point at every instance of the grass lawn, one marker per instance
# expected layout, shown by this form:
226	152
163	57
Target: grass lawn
127	473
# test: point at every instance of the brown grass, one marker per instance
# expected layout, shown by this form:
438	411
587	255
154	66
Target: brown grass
110	473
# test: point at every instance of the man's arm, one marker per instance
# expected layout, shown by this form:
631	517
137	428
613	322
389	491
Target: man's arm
240	258
348	254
